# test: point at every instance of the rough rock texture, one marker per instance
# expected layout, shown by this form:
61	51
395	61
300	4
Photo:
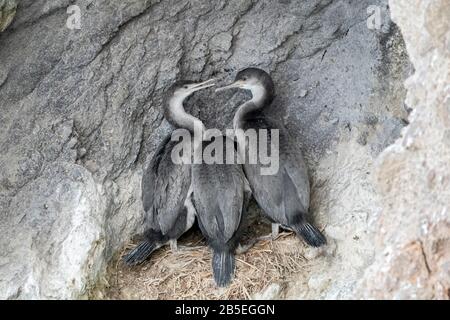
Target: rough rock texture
413	175
81	115
7	12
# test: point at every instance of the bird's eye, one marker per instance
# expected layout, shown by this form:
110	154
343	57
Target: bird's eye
244	78
185	87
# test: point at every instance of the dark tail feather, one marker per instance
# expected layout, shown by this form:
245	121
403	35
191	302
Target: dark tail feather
140	253
223	267
310	234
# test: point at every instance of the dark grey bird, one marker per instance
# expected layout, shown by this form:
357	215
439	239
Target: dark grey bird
283	196
221	195
166	186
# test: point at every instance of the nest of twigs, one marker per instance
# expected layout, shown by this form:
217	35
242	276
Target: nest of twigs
187	273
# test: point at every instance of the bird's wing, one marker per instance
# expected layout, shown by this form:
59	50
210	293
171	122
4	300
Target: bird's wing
296	171
218	193
286	191
267	190
231	203
151	174
165	187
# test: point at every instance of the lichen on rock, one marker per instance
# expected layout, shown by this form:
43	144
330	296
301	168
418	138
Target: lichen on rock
7	13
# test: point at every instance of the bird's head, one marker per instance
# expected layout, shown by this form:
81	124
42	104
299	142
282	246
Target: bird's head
174	111
253	79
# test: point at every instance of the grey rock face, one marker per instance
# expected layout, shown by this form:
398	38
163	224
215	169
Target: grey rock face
81	115
412	232
57	233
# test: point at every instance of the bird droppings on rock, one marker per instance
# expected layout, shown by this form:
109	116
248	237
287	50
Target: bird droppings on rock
303	93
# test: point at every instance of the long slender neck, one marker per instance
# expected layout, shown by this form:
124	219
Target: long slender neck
260	99
178	117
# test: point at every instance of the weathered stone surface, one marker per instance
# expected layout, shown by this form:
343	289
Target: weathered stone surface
7	12
413	229
81	115
58	233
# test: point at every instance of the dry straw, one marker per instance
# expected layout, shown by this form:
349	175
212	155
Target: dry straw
186	274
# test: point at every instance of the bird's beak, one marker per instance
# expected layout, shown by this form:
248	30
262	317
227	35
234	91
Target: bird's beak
202	85
236	84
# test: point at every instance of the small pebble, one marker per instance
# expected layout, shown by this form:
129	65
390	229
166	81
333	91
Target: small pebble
312	253
81	152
